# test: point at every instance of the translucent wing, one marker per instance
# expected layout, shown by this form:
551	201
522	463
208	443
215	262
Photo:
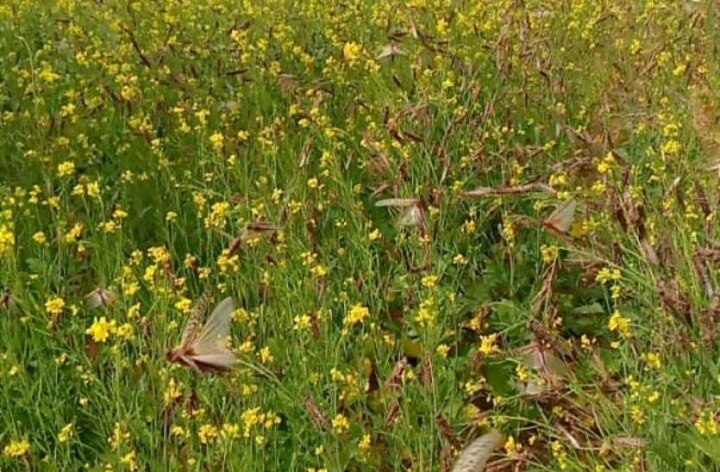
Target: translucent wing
220	361
191	328
561	219
396	202
412	216
216	331
390	50
100	297
474	457
549	365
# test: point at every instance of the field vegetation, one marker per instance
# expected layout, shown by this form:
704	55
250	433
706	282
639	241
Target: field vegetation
438	220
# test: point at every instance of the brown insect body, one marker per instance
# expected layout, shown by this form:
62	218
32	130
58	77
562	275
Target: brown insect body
188	358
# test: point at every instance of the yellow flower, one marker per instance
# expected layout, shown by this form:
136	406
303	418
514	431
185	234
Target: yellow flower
487	344
653	360
7	239
460	260
66	169
101	329
74	233
474	386
606	164
39	237
251	418
159	254
109	227
442	26
508	232
671	147
93	189
549	253
638	414
218	214
707	424
184	305
126	332
670	129
67	432
207	433
319	270
351	52
172	392
133	311
356	315
621	324
227	263
52	202
340	423
558	180
469	226
302	322
266	355
442	350
598	188
217	140
178	432
119	436
230	430
16	448
130	460
606	274
47	74
365	442
429	281
511	445
560	454
119	214
54	305
426	313
522	372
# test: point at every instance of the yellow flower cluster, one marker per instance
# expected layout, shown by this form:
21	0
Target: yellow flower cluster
101	329
356	315
621	324
16	448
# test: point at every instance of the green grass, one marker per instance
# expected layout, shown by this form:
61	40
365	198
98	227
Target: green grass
159	130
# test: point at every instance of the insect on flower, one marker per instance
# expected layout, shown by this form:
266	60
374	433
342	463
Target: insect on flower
204	349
